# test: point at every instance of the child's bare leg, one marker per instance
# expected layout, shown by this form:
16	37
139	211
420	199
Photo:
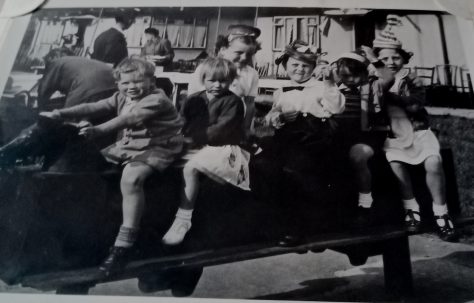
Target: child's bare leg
410	204
436	183
359	155
191	187
182	223
131	185
435	179
401	172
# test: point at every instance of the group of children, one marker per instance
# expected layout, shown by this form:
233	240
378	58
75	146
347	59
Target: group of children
216	119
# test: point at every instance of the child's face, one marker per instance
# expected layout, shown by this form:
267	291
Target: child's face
238	53
299	71
392	59
216	87
134	85
348	78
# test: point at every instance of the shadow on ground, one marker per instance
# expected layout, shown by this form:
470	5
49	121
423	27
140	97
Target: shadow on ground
443	280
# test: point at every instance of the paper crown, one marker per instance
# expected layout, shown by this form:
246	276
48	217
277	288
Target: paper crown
386	38
242	30
299	50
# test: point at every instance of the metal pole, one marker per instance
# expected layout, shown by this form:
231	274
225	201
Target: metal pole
447	70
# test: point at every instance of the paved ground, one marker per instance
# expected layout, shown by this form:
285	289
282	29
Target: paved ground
443	272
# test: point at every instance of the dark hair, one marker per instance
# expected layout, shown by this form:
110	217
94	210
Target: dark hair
218	69
223	42
405	55
130	65
56	53
152	31
353	66
124	18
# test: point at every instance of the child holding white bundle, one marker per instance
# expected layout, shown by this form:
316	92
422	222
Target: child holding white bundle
214	126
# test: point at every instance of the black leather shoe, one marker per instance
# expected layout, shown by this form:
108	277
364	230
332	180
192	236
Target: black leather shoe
116	260
412	224
447	231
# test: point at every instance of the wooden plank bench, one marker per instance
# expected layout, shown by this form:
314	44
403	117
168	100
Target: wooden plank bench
70	218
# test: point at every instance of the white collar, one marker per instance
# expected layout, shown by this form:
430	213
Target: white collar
311	82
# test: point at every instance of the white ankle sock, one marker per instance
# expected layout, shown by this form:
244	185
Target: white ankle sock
365	200
185	214
440	210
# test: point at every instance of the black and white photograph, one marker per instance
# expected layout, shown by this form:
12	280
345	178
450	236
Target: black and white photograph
263	150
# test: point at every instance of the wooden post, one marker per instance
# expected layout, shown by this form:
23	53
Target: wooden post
397	267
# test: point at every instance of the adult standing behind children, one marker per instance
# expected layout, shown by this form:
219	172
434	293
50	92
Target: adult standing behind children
80	79
157	49
239	46
111	46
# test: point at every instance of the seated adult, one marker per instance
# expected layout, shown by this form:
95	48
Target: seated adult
157	49
80	79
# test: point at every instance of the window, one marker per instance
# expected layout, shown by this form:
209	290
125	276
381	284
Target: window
287	29
183	33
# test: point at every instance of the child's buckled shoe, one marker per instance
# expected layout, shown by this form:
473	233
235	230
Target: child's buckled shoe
412	223
446	232
116	260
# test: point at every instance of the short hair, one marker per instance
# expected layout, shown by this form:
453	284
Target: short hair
353	66
218	69
405	55
130	65
152	31
124	18
57	53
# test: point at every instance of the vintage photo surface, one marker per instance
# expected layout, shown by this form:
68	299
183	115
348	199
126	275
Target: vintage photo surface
309	152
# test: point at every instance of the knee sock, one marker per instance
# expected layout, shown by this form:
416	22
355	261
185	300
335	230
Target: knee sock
412	204
365	200
126	236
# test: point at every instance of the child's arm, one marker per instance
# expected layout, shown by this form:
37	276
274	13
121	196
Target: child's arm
89	110
333	100
415	100
274	116
147	108
230	118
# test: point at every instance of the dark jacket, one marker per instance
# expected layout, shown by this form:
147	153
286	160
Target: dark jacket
79	78
219	122
110	47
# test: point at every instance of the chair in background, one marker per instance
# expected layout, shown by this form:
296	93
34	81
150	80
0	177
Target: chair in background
446	74
426	74
466	85
263	70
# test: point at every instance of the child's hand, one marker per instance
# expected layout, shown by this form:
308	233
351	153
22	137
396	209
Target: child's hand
55	114
83	124
90	132
369	53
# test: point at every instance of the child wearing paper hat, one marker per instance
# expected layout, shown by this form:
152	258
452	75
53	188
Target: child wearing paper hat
411	142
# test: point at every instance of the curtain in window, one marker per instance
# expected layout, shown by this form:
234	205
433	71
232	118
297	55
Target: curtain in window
173	34
185	35
200	36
